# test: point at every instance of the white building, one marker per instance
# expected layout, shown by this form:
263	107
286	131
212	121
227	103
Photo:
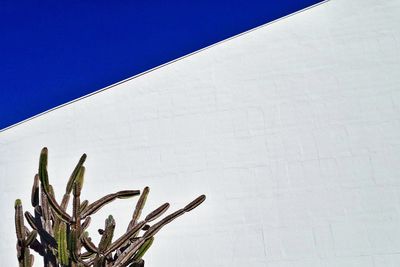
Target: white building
291	130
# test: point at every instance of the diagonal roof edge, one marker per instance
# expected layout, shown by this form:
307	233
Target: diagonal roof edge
160	66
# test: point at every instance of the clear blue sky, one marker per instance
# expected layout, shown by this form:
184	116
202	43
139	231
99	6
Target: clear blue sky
52	52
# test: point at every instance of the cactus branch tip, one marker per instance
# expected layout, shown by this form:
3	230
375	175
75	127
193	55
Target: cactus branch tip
17	202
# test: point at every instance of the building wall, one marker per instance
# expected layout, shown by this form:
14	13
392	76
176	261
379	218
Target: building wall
292	131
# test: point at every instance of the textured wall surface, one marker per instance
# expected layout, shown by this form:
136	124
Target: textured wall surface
292	131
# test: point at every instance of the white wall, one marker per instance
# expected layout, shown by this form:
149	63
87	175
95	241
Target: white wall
292	131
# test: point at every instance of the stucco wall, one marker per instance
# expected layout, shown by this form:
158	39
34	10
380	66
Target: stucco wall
292	131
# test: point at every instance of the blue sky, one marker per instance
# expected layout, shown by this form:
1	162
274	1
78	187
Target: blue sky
52	52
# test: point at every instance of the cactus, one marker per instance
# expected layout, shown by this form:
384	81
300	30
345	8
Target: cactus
62	239
24	237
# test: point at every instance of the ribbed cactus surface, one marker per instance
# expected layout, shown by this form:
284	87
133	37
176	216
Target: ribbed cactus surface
63	239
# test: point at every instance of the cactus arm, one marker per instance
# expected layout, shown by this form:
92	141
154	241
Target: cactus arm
157	212
54	216
43	175
64	202
87	255
42	232
131	233
75	174
128	253
85	224
139	207
25	259
36	246
31	237
57	237
71	181
88	244
45	247
19	220
46	238
143	249
58	210
75	247
105	241
31	220
84	204
195	203
108	234
76	225
156	227
35	191
46	212
44	179
125	237
63	256
98	204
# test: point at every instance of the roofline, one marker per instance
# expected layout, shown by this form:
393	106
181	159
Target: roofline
161	66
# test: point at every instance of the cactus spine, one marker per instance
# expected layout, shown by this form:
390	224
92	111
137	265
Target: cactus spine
63	238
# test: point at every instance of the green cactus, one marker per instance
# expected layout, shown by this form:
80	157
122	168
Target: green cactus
62	249
63	238
25	238
143	249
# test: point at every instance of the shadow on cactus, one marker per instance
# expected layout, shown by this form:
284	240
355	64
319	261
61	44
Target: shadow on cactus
63	238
